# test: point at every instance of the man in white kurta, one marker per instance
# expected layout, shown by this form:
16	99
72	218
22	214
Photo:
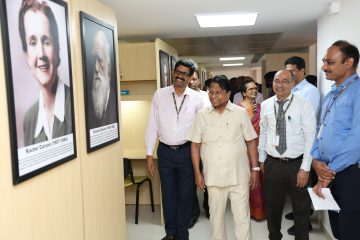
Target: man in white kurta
224	138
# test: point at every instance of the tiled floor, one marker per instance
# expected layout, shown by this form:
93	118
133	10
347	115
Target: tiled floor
149	227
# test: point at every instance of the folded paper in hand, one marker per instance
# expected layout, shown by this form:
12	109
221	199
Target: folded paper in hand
327	203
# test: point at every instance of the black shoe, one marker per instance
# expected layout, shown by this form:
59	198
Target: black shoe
289	216
168	237
192	222
291	230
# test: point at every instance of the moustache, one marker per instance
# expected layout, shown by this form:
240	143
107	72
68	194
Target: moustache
180	78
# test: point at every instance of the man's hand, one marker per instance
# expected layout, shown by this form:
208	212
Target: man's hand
317	188
254	179
199	180
302	178
322	170
150	167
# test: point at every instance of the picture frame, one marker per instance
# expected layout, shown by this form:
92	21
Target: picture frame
39	86
164	69
100	82
203	76
173	61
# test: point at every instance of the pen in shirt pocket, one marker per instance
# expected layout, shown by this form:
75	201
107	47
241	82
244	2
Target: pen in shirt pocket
289	118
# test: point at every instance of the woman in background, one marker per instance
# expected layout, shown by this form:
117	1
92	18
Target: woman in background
249	91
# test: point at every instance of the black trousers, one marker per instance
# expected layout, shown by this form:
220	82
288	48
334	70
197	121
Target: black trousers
346	191
177	186
279	179
195	211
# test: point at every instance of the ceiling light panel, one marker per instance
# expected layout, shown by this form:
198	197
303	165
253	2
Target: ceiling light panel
226	19
232	64
231	58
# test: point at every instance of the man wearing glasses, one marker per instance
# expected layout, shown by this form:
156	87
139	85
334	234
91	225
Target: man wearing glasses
225	139
287	131
173	110
296	65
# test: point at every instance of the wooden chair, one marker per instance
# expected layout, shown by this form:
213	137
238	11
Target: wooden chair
130	179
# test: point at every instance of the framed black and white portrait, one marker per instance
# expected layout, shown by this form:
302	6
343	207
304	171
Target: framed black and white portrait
39	85
164	69
100	82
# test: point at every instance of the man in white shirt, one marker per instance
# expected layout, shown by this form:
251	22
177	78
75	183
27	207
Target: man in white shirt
287	131
173	110
296	65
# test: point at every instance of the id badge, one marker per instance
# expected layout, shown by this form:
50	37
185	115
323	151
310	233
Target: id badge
276	140
320	131
177	128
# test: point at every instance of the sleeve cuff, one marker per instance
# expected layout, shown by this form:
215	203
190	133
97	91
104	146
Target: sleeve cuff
306	165
149	151
262	155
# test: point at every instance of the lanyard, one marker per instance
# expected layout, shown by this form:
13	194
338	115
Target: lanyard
176	108
332	100
276	116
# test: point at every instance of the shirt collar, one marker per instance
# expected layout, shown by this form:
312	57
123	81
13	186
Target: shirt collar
59	110
335	88
229	106
301	85
186	92
288	98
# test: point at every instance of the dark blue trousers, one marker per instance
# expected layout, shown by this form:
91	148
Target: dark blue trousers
177	187
346	191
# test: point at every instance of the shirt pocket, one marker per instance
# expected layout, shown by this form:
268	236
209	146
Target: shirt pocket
293	124
231	131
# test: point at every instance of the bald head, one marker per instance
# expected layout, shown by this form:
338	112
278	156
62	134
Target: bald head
283	83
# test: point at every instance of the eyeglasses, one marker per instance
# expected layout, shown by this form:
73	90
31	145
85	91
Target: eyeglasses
252	89
277	82
216	94
177	72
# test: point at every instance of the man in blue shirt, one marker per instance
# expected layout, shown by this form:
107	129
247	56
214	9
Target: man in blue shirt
336	150
302	88
296	65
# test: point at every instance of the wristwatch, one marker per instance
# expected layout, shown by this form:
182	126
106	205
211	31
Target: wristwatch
255	169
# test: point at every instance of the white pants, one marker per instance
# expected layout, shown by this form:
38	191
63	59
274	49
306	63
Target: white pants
239	198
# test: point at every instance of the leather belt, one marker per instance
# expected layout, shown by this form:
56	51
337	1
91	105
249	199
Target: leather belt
287	160
176	147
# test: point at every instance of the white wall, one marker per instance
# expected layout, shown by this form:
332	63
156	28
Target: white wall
335	27
331	28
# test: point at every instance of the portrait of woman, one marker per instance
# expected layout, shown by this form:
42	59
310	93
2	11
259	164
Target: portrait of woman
39	85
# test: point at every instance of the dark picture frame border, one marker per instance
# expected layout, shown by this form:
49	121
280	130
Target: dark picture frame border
173	61
164	58
105	26
7	49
